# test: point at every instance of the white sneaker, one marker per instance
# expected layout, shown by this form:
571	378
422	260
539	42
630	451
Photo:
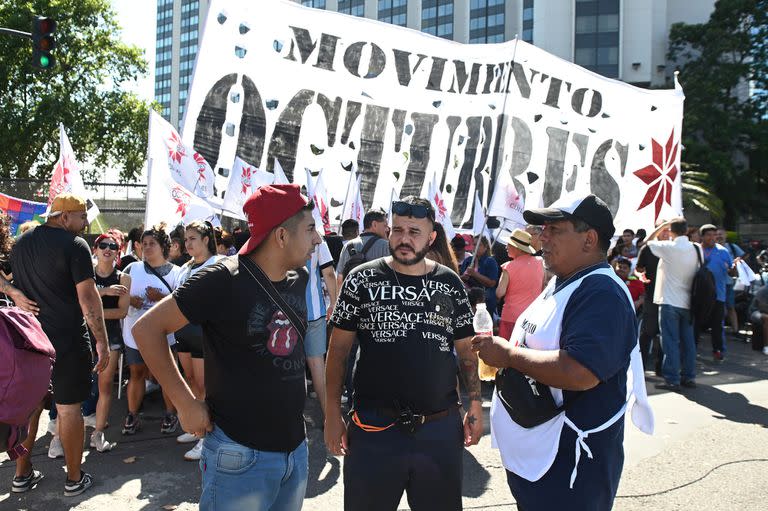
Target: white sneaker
186	438
765	350
55	450
52	427
100	443
194	453
90	420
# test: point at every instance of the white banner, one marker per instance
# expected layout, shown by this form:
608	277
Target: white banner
67	178
167	200
320	90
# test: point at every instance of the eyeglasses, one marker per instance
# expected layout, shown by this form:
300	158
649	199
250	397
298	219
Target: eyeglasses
105	245
401	208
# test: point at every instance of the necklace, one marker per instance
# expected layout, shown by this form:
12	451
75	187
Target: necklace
425	275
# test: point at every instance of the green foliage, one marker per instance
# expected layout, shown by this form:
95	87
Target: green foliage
106	125
697	191
723	68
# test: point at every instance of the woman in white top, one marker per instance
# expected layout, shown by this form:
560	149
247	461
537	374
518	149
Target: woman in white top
200	243
152	279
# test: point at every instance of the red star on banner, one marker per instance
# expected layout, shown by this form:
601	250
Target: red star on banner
175	148
324	215
512	197
200	165
182	200
441	209
245	179
660	175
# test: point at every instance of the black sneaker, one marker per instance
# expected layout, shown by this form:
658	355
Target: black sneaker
131	424
170	424
674	387
72	488
689	384
23	484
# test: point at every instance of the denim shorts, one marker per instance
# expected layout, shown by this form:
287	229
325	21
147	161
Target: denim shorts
314	340
237	477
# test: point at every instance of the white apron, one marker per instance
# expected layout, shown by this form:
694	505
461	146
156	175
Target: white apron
530	452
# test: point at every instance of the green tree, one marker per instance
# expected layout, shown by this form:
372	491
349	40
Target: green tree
106	125
723	68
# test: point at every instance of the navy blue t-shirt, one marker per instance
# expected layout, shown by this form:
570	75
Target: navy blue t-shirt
599	330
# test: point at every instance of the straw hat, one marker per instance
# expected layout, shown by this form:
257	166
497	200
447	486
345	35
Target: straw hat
521	240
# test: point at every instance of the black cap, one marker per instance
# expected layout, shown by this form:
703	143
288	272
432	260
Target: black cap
590	209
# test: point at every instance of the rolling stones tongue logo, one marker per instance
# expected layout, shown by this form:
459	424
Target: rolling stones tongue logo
282	336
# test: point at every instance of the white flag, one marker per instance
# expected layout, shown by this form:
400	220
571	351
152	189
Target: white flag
243	181
442	215
167	200
353	203
66	176
280	178
188	168
478	218
506	202
317	192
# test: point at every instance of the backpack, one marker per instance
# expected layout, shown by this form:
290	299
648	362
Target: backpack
357	258
25	374
703	292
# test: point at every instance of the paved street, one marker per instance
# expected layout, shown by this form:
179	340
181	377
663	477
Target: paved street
710	452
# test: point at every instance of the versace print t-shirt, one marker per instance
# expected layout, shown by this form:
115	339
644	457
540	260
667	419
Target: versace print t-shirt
406	326
254	358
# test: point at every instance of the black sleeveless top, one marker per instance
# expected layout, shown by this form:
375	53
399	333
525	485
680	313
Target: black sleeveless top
114	333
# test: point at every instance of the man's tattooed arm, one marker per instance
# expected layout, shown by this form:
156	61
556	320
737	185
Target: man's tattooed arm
473	420
468	362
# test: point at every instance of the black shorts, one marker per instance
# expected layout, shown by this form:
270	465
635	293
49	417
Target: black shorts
192	343
71	377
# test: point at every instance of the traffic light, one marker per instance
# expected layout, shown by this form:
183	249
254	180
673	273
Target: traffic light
43	42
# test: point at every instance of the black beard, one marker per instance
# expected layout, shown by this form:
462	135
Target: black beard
419	256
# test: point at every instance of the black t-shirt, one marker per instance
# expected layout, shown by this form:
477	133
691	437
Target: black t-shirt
647	260
254	359
125	261
114	333
47	263
406	326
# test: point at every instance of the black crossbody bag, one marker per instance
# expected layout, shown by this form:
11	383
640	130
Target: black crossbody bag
528	402
266	285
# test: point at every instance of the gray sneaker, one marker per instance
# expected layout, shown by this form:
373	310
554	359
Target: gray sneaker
73	488
23	484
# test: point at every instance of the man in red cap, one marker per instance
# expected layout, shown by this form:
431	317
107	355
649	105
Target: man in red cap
252	309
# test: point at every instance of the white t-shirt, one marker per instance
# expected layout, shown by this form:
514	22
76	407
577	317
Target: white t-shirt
678	262
321	258
141	279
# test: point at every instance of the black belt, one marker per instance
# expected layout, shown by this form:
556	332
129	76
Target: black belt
405	417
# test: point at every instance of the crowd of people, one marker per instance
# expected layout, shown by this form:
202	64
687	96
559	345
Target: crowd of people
206	313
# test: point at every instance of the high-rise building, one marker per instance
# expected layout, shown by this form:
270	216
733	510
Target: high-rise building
624	39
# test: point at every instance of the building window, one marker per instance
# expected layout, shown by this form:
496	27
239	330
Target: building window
317	4
394	12
353	7
597	36
528	21
486	21
437	18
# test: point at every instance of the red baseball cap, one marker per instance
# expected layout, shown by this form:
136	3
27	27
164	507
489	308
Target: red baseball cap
268	207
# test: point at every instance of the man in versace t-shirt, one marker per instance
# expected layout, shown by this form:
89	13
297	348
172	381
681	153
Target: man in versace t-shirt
405	433
252	309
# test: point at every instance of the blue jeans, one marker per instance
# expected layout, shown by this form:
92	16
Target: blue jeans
236	477
677	343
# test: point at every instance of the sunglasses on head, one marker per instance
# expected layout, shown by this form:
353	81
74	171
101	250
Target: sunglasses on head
401	208
106	245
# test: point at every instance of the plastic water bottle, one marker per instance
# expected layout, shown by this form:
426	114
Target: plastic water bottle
483	325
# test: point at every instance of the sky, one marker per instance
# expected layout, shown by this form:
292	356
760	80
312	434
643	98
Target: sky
138	20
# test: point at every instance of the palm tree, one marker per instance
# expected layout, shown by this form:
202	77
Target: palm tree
698	192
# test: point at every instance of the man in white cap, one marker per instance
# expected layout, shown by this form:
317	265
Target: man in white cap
564	376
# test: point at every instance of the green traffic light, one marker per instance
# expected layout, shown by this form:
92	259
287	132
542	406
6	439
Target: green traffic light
44	61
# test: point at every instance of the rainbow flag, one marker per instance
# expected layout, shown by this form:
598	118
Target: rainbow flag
20	210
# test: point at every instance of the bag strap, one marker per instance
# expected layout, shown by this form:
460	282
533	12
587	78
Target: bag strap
154	272
369	244
266	285
699	256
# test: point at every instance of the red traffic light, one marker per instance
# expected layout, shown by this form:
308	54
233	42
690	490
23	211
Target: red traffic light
42	25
